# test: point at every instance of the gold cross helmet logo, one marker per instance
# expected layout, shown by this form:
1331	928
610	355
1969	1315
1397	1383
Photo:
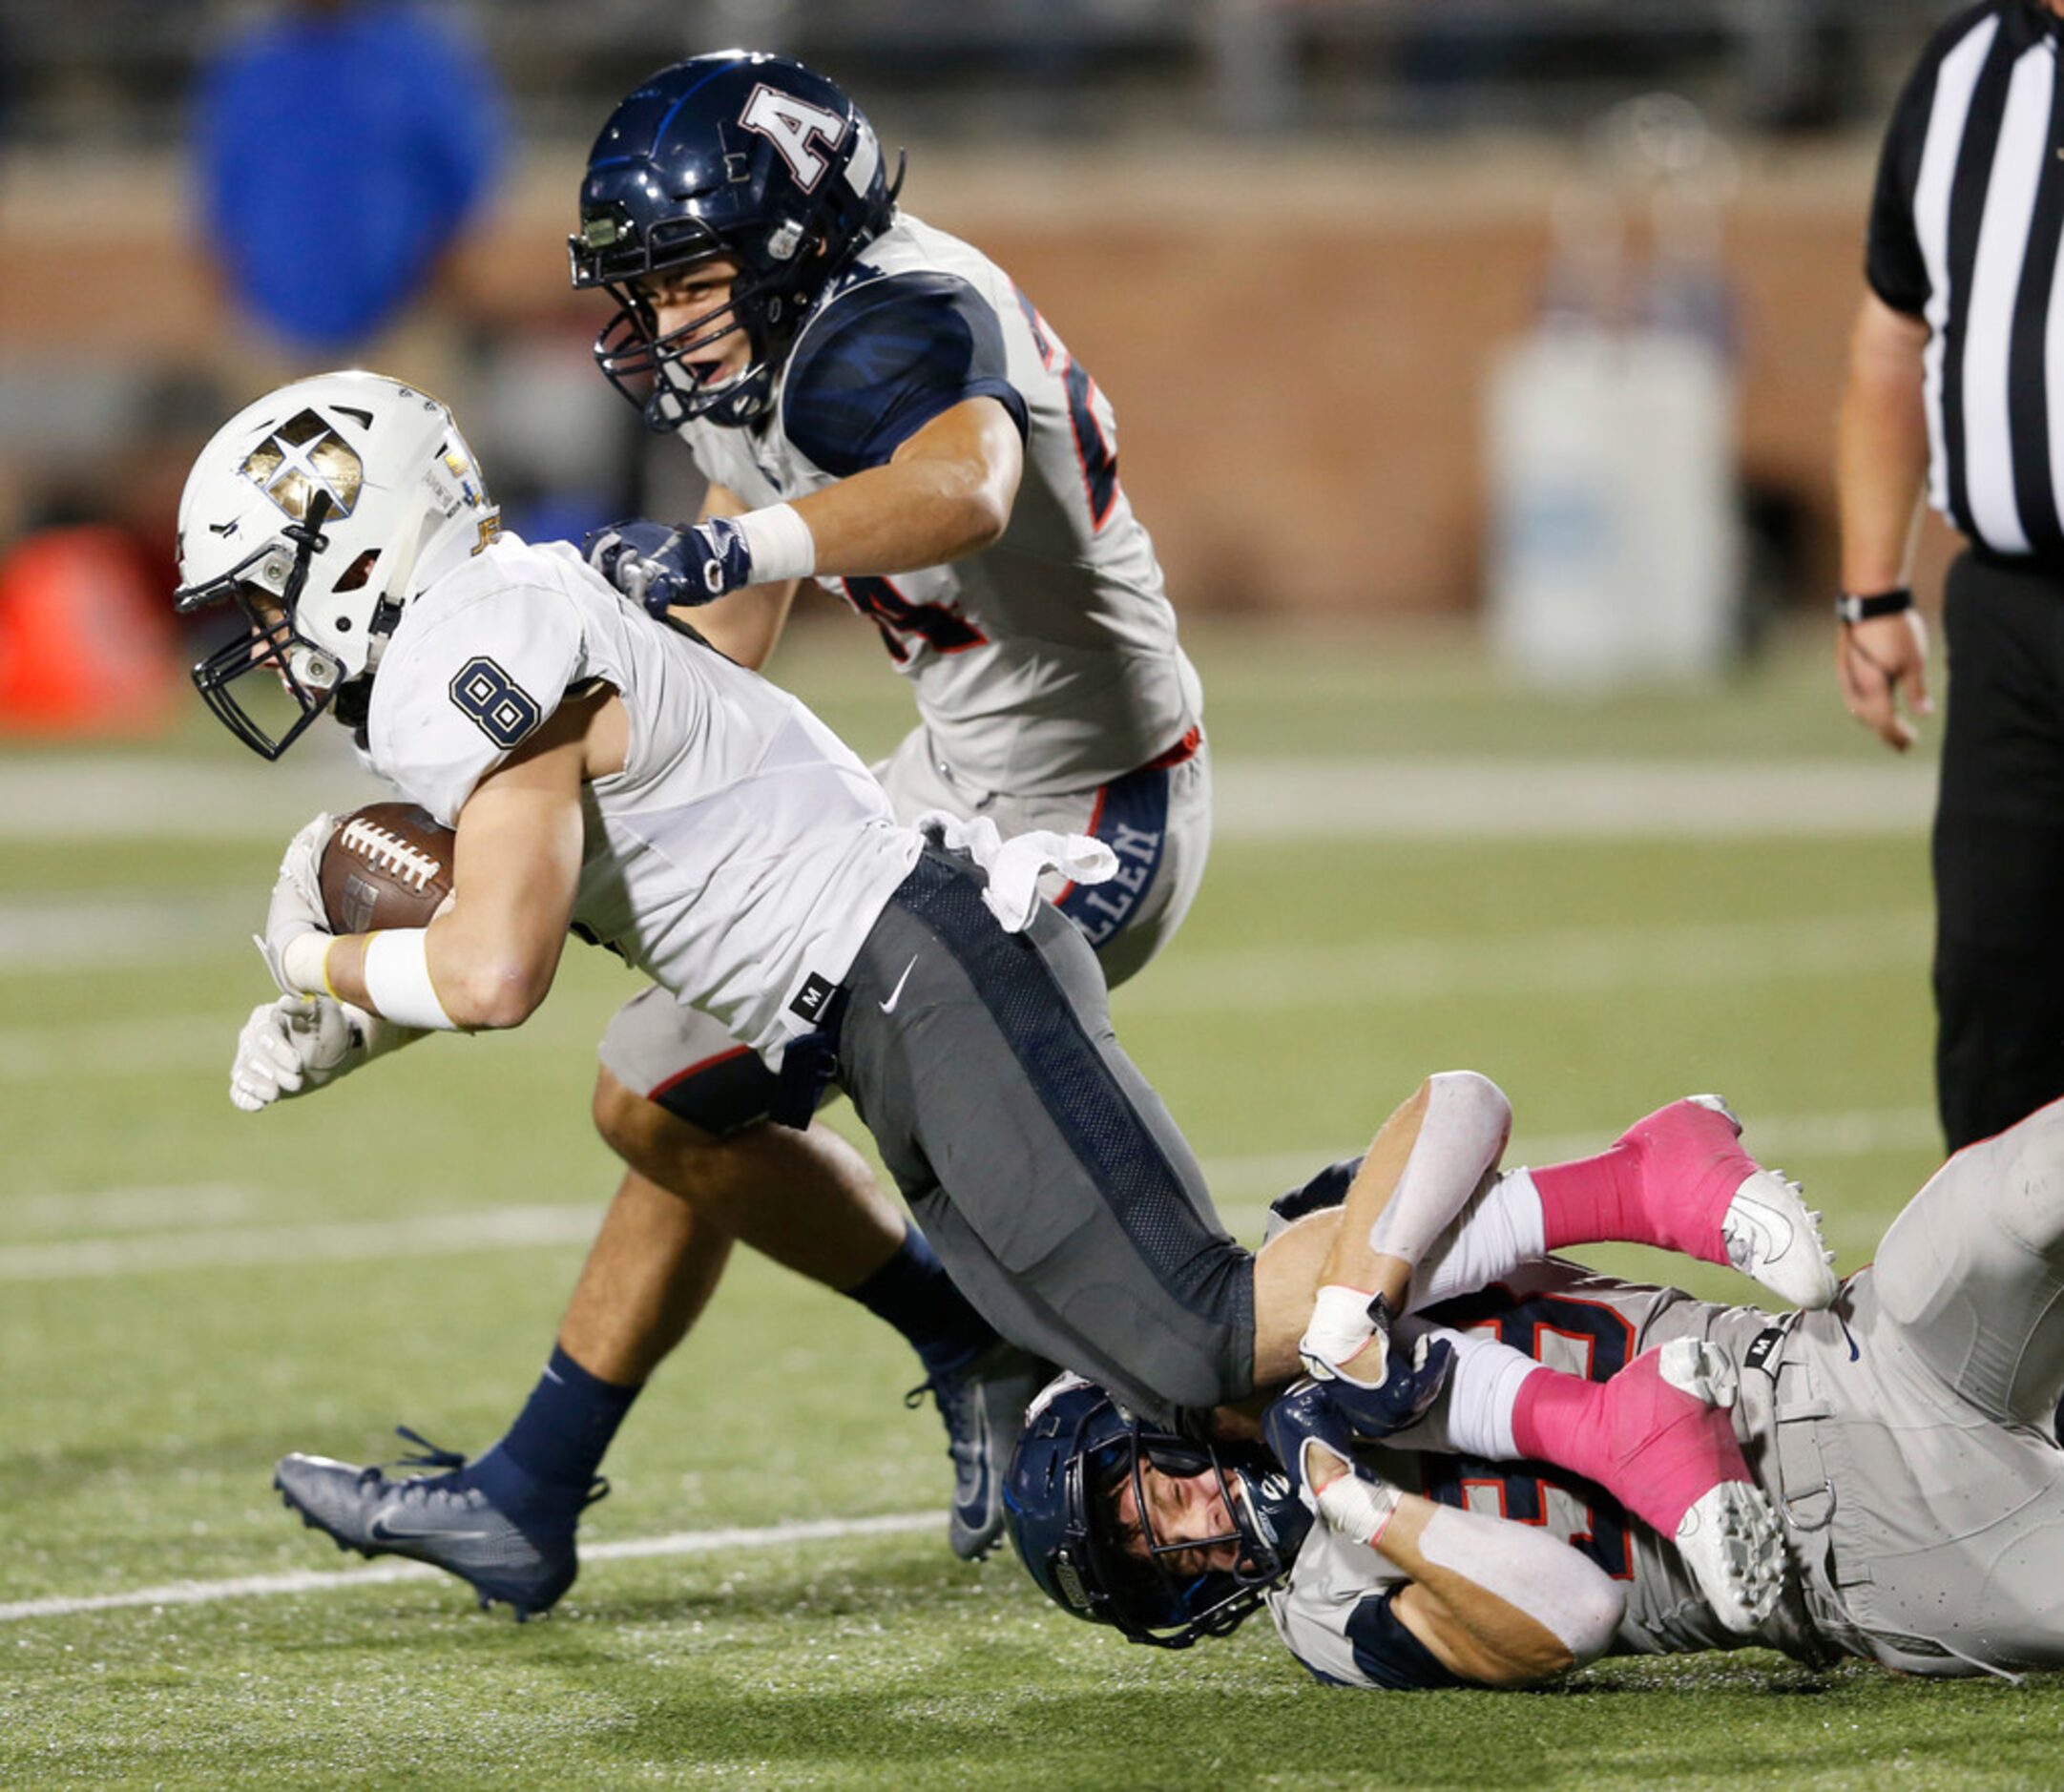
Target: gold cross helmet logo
305	454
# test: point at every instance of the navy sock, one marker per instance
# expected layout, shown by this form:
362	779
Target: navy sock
549	1455
915	1295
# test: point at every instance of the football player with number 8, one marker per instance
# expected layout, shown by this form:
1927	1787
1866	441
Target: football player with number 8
874	403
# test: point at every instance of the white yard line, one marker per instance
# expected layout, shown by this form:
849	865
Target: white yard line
134	1209
1465	799
270	1586
99	797
106	796
334	1242
47	935
1569	961
1559	961
1244	1185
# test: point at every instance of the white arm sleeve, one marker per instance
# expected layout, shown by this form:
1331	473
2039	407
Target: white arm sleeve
1563	1591
1461	1138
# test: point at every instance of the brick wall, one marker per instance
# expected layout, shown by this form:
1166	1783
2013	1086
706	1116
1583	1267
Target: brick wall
1295	344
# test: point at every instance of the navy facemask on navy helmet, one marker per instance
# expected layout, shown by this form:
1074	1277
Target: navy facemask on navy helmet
1077	1452
739	157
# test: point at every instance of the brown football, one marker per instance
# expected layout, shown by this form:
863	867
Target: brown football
387	865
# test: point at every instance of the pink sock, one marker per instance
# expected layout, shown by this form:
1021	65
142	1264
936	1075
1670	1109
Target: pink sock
1667	1180
1654	1449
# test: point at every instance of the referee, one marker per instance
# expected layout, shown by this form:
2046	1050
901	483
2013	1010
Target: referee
1956	382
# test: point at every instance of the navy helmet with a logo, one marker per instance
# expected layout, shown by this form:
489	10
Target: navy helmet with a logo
1076	1451
742	156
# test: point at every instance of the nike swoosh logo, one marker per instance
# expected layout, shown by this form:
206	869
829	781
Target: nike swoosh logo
976	1504
380	1532
895	995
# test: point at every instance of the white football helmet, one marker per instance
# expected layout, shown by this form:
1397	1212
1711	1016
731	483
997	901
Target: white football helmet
313	509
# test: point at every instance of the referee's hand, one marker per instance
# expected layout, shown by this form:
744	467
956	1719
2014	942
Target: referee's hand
1881	665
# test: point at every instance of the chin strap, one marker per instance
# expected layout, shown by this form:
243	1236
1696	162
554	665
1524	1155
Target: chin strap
308	541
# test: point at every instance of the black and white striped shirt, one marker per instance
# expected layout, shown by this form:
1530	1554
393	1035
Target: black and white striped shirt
1964	234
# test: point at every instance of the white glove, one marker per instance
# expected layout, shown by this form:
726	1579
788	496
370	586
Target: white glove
300	1043
296	910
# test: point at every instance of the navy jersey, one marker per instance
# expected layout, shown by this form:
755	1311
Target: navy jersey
1582	1324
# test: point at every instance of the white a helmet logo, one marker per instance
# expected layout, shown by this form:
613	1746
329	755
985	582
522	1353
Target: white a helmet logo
795	127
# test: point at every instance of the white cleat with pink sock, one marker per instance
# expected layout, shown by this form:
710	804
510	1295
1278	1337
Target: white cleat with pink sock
1725	1206
1774	1237
1658	1438
1771	1235
1728	1536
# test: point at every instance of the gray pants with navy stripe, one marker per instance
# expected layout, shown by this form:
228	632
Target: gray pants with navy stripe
1047	1174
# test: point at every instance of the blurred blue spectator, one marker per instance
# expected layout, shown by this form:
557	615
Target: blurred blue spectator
343	145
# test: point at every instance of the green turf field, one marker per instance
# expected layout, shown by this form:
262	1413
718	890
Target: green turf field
187	1291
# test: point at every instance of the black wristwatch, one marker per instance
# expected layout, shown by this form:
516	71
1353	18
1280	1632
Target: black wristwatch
1851	608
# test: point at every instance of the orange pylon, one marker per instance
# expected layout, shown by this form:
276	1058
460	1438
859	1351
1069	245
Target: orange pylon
85	647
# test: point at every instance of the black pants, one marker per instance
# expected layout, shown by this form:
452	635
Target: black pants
1999	851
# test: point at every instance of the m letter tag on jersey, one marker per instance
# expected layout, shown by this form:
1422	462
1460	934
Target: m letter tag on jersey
790	124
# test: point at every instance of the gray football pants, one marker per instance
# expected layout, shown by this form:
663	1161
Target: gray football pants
1944	1528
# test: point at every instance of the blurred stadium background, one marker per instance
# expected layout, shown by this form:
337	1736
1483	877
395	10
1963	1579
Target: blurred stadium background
1476	365
1293	239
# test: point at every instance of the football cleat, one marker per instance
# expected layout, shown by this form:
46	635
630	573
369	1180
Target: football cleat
526	1561
982	1407
1658	1439
1705	1196
1774	1237
1728	1536
1729	1539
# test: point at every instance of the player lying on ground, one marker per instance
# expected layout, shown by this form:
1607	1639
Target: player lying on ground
606	769
1905	1438
872	402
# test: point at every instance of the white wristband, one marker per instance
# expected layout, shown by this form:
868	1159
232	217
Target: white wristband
397	973
302	962
1339	1326
779	542
1359	1509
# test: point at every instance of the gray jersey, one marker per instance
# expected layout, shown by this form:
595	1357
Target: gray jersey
1049	662
743	851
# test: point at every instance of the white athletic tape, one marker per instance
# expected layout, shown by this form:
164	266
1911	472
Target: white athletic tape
1340	1325
1358	1510
779	543
396	973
